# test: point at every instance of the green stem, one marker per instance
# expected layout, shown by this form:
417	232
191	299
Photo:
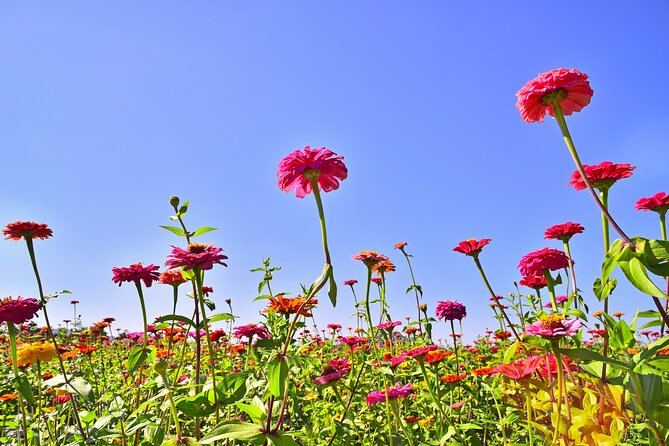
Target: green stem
321	216
528	404
551	289
138	285
604	198
561	385
199	277
455	350
12	342
437	402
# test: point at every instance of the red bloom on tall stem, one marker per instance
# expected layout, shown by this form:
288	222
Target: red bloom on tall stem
535	282
563	232
400	245
534	263
197	255
657	203
570	88
26	229
602	176
520	369
18	310
147	274
296	169
471	247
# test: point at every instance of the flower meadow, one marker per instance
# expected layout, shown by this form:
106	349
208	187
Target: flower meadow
554	372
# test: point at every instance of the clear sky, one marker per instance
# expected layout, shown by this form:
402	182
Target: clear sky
108	108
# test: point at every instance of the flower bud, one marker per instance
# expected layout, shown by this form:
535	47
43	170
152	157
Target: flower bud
160	366
174	201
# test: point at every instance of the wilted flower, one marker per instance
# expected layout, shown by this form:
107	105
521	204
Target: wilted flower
602	176
296	170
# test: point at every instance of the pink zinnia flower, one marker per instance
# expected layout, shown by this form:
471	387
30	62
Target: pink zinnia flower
370	258
336	369
379	396
520	369
535	282
570	88
396	360
553	326
198	255
657	203
450	310
296	169
135	272
25	230
350	282
411	330
471	247
388	325
250	330
419	353
171	277
536	262
563	232
602	176
351	341
334	327
18	310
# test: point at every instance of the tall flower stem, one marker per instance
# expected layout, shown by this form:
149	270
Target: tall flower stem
12	342
355	299
550	284
528	404
417	293
31	252
561	386
199	277
138	285
663	231
174	312
571	273
332	291
455	349
437	402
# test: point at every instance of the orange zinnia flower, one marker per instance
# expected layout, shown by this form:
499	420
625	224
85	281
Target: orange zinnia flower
436	356
452	378
291	305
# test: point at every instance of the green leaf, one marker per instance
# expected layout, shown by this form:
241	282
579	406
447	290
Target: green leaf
510	352
178	231
649	314
256	413
52	296
332	291
23	386
183	441
636	273
656	254
220	317
614	253
582	354
282	439
277	373
578	313
183	209
137	357
203	230
196	406
604	291
247	433
176	317
262	297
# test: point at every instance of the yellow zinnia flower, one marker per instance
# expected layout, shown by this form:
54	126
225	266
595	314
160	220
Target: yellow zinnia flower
30	353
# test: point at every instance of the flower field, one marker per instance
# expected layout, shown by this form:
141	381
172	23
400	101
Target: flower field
554	372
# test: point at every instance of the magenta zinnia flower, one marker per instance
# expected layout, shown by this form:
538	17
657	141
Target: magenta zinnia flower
520	369
296	169
388	325
350	282
536	262
18	310
336	369
657	203
135	272
602	176
569	87
250	330
563	232
471	247
450	310
419	353
198	255
379	396
25	230
553	326
535	282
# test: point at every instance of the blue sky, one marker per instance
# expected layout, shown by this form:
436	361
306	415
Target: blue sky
107	109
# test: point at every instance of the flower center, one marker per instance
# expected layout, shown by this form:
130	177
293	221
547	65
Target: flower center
554	97
311	174
551	321
197	248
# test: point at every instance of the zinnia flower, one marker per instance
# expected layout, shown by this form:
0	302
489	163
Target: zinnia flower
37	351
602	176
350	282
563	232
535	282
296	169
553	326
197	255
379	396
657	203
450	310
436	356
336	369
520	369
536	262
471	247
216	335
452	378
400	245
18	310
26	230
291	305
370	258
419	353
385	266
250	330
569	88
388	325
334	327
136	272
171	277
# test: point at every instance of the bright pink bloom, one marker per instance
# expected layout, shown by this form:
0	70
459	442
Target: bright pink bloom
25	230
536	262
419	353
336	369
198	255
370	258
657	203
250	330
471	247
411	330
379	396
171	277
558	300
350	282
388	325
396	360
553	326
351	341
536	282
450	310
520	369
602	176
296	168
18	310
570	87
563	232
148	274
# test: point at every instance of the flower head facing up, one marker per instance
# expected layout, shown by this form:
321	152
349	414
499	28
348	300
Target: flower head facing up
450	310
297	169
553	326
395	392
26	230
602	176
147	274
657	203
534	282
536	262
197	255
18	310
471	247
563	232
171	277
370	258
520	370
568	88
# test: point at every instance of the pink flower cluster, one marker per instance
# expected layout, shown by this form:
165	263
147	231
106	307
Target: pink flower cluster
450	310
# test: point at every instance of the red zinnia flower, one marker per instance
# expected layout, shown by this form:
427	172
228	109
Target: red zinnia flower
602	176
377	280
471	247
26	230
450	310
534	263
570	88
536	282
18	310
197	255
400	245
563	232
350	282
452	378
136	272
657	203
296	169
215	335
520	369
